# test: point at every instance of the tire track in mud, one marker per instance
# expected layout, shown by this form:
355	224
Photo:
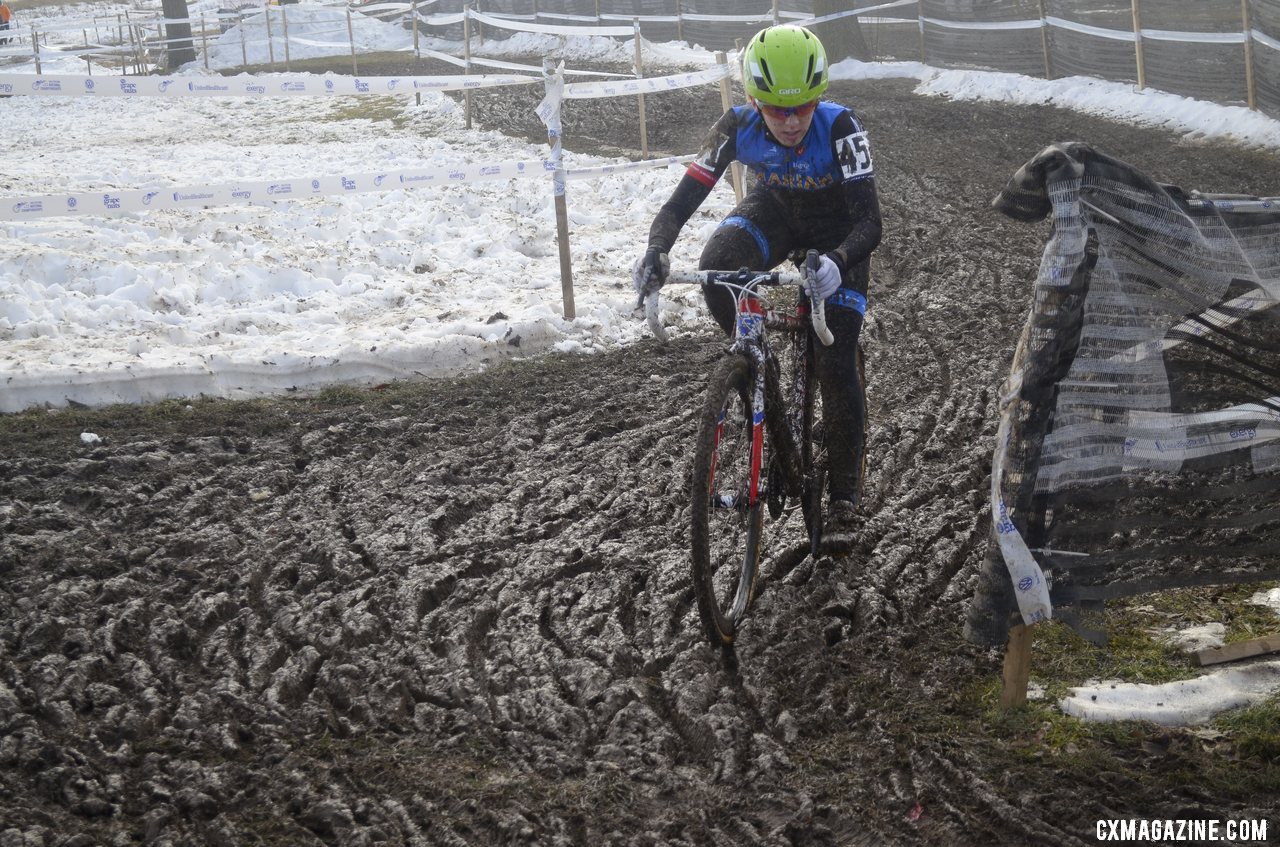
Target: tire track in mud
460	613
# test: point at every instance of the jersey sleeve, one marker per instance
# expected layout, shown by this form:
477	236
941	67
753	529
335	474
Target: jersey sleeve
853	152
717	153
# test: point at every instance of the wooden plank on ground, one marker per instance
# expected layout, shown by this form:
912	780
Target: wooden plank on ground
1239	650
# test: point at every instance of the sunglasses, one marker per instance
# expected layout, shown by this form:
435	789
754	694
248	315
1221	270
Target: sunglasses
781	113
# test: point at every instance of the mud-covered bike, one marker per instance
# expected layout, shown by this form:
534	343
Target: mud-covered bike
738	474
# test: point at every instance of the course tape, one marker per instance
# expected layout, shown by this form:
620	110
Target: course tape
111	203
585	90
551	29
279	85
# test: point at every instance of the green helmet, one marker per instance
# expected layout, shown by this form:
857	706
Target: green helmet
785	66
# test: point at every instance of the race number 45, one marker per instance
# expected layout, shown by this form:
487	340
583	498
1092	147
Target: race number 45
855	155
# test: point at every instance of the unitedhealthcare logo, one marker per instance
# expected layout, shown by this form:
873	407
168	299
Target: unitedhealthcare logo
293	86
280	188
28	206
46	85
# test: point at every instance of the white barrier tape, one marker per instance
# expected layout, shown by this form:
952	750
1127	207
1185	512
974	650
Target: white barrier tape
242	86
510	66
1085	29
741	19
584	90
610	170
982	25
382	7
113	203
644	19
551	29
1194	37
558	16
1263	38
117	203
1031	590
810	21
442	20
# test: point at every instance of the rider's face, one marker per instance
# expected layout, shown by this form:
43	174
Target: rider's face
788	125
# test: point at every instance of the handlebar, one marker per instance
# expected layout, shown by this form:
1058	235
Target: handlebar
746	281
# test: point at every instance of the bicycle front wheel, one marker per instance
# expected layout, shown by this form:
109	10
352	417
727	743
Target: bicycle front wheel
727	520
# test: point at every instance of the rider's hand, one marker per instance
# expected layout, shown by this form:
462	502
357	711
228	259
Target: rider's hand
828	277
650	272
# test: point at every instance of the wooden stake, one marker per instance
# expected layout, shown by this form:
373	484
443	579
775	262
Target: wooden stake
777	17
244	47
466	55
1249	82
680	20
1137	44
351	35
726	100
644	130
562	209
920	17
1017	666
1239	650
204	41
417	54
87	64
271	47
1044	41
284	20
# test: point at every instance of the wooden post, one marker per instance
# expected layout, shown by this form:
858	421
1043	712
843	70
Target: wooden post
284	21
597	12
87	64
271	47
1044	41
466	68
204	40
1249	82
1017	666
726	100
244	48
1137	43
777	18
351	35
680	20
417	53
644	129
35	47
558	180
920	17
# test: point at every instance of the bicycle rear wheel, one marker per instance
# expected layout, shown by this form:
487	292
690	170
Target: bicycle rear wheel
726	525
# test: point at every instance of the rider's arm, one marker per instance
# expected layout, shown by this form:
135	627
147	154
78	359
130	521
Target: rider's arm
718	151
854	154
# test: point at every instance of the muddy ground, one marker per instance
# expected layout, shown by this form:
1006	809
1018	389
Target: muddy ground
459	612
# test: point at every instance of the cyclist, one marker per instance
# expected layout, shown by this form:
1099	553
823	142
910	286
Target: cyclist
814	188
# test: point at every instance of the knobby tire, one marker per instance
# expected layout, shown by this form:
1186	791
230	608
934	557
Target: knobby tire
725	542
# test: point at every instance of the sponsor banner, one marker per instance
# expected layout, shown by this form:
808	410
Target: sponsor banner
113	203
583	90
245	85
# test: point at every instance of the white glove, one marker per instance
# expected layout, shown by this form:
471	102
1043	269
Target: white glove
650	272
828	278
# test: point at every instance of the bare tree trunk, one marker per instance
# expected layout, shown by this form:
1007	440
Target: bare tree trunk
179	49
843	36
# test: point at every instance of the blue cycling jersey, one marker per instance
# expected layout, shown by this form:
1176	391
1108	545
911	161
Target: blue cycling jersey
832	152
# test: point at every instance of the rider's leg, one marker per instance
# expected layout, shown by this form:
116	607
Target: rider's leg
842	403
754	235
